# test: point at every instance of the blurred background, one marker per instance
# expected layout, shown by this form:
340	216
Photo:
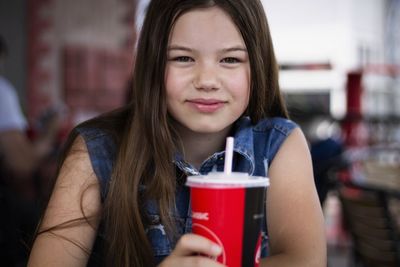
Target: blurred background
67	61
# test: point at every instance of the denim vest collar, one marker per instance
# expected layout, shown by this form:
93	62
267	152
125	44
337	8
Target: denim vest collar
243	147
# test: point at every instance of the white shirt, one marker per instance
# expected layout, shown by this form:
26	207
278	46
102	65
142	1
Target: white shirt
11	117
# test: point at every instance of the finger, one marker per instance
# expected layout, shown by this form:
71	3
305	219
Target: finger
190	244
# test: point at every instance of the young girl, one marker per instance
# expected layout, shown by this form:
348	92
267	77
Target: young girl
205	70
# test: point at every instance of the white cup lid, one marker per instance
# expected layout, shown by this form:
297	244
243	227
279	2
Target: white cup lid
221	179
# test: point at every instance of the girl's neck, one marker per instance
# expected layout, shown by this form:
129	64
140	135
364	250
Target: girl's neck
199	146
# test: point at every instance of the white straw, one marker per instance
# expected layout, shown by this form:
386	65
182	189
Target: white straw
228	155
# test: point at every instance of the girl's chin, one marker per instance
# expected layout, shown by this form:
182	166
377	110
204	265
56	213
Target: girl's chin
208	129
200	127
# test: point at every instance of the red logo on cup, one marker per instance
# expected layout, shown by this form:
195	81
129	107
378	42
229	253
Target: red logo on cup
207	232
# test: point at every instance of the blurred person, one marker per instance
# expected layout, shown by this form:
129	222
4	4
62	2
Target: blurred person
20	158
326	148
204	70
18	154
323	135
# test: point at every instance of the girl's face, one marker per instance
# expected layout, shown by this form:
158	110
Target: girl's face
208	72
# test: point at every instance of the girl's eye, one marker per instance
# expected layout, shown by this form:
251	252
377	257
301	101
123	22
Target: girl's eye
183	59
230	60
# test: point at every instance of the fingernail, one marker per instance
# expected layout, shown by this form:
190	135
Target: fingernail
216	249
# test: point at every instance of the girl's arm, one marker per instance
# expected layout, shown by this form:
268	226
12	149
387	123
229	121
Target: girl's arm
76	194
295	220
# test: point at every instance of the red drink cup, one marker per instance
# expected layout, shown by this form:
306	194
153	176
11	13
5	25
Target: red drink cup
228	209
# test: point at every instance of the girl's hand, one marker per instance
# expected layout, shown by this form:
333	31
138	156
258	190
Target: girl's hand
192	250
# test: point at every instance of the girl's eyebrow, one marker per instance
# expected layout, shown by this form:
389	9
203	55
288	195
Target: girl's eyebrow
179	47
224	50
235	48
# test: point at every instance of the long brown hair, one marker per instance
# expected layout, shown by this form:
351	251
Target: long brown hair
143	132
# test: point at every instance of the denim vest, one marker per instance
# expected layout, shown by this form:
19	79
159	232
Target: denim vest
255	147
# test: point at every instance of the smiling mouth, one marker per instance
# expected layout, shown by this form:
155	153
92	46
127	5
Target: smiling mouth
206	105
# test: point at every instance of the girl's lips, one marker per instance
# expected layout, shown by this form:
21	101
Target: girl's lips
206	105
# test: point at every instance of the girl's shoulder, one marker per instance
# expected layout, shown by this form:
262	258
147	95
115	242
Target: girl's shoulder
267	125
282	125
102	152
106	128
102	136
93	134
260	142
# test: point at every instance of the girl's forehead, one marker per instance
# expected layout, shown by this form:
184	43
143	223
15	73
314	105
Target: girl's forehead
203	24
213	12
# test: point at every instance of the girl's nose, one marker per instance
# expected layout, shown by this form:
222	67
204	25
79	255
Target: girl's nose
206	78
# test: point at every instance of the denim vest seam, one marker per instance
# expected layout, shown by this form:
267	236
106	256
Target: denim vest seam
91	134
